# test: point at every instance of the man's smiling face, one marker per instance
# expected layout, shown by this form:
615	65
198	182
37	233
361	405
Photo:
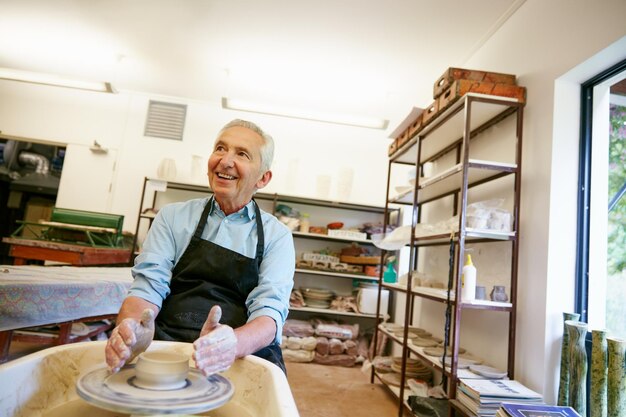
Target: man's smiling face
235	168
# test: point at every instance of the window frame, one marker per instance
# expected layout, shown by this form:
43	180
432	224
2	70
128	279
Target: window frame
581	302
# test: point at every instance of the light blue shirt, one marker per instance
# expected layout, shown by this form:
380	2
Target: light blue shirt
172	230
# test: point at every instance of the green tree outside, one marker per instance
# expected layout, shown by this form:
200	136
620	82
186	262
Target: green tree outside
616	256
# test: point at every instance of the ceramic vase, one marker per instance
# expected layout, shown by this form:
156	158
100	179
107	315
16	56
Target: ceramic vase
597	396
577	332
616	387
564	379
498	293
167	169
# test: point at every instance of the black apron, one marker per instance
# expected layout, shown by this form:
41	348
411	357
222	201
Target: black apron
206	275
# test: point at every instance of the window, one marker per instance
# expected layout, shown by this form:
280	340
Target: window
601	253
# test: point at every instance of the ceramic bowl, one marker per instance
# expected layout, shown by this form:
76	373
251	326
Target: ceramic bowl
161	370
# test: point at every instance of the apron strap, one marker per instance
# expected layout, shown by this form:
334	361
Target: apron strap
260	244
202	223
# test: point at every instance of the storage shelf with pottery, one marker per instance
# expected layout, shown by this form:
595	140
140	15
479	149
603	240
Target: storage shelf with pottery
157	192
446	132
321	213
447	182
474	144
440	295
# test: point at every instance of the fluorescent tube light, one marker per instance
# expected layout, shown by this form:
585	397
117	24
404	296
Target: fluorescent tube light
49	79
372	123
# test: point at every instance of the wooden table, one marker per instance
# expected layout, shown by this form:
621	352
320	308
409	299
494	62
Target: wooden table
60	337
23	250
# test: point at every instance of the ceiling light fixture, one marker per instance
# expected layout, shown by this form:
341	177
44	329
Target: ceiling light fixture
54	80
372	123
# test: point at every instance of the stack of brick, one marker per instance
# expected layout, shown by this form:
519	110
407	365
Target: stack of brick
336	344
298	342
323	342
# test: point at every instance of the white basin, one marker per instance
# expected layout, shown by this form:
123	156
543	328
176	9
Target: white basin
43	384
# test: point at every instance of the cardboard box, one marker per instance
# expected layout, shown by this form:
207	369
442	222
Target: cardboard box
461	87
430	113
416	126
36	209
393	147
403	138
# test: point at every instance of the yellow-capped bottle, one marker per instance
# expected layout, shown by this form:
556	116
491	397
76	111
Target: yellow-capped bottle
468	290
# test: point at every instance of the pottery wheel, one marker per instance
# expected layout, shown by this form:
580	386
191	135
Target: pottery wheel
116	392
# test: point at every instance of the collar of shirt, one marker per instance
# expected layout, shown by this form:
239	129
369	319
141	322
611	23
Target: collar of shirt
246	211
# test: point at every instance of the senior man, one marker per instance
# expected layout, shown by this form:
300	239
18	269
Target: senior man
216	271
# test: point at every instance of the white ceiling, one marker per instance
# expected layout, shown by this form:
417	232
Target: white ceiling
363	57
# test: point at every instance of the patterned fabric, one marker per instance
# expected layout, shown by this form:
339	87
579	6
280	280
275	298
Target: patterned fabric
40	295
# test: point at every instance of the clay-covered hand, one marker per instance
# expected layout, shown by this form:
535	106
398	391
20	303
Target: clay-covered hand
129	339
216	348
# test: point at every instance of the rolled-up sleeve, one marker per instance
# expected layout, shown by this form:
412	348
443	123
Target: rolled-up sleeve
271	296
161	250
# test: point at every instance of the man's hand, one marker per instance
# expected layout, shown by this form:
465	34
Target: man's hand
129	339
216	348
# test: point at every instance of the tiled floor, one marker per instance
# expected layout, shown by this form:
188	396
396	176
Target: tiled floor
321	391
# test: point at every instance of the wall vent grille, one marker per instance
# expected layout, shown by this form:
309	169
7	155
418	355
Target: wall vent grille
165	120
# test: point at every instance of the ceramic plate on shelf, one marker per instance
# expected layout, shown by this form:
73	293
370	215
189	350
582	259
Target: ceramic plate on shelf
421	342
392	378
317	304
419	331
488	371
316	292
434	351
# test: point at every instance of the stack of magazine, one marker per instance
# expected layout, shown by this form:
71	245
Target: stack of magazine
483	397
531	410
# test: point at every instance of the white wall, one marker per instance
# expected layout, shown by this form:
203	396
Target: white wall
541	43
304	150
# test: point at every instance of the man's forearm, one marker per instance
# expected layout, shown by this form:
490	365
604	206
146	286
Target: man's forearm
132	307
255	335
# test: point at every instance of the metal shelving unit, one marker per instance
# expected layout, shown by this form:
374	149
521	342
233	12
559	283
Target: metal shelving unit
472	115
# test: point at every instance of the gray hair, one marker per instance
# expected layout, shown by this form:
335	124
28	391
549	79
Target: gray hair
267	150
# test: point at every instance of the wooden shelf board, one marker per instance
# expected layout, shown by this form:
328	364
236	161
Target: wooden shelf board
419	351
336	274
330	238
331	311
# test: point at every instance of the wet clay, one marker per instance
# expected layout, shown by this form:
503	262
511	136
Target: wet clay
55	379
